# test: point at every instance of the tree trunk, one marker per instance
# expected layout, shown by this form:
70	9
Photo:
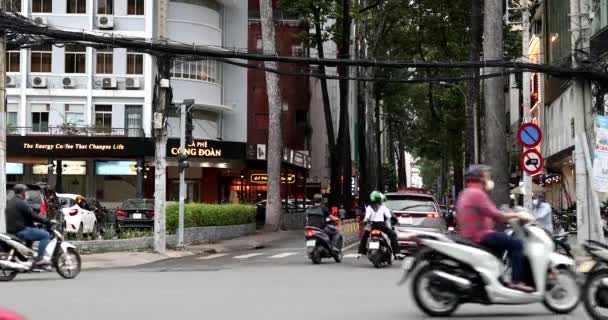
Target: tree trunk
160	169
401	166
494	99
334	161
472	103
380	168
361	138
344	129
370	128
275	144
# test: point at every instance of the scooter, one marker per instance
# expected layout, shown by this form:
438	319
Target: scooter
449	272
319	246
595	290
379	250
16	257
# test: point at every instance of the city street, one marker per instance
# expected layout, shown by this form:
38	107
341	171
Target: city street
276	282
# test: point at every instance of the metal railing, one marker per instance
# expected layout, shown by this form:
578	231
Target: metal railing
75	131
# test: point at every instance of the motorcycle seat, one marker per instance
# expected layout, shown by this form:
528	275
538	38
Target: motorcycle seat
15	238
460	240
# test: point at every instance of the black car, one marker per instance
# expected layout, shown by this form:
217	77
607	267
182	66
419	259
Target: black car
42	199
105	218
135	213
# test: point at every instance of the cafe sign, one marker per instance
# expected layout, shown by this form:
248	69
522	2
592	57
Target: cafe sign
208	149
198	149
262	178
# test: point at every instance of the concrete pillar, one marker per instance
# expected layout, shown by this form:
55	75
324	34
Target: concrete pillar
59	181
139	183
90	179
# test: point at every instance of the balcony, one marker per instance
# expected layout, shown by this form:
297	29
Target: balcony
76	131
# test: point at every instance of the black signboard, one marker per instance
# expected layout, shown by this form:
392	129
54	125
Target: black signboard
89	147
208	149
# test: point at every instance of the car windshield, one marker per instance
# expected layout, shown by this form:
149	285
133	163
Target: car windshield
31	196
410	203
146	204
67	202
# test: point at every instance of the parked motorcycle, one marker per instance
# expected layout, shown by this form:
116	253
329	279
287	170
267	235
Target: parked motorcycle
379	250
16	257
450	272
595	289
319	245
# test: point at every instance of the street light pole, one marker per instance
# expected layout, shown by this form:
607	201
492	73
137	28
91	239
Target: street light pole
182	169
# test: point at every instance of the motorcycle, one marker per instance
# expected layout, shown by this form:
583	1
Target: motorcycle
17	257
379	250
595	289
319	245
449	272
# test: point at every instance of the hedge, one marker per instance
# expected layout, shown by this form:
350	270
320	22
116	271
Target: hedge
203	215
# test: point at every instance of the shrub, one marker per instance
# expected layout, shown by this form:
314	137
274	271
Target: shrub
203	215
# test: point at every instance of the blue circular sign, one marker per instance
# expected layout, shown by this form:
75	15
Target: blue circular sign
529	135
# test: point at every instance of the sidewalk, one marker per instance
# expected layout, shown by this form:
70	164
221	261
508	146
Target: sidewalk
131	259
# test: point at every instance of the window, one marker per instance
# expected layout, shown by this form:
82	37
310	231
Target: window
77	6
134	121
11	121
204	70
75	59
12	61
410	203
40	121
135	62
297	50
41	58
13	5
76	118
42	6
105	61
103	118
105	6
259	45
136	8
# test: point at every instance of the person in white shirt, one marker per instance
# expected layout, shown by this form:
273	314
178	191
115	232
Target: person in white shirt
543	213
380	218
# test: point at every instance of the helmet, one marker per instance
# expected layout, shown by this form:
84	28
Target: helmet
19	188
476	171
317	198
376	196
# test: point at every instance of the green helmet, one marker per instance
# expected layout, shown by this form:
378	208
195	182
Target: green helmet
376	196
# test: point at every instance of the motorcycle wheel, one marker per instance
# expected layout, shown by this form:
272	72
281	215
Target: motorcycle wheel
338	257
316	257
68	263
565	295
590	290
7	275
429	302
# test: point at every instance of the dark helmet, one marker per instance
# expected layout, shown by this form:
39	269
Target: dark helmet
317	198
20	188
476	171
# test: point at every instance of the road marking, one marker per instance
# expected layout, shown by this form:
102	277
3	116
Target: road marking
350	246
350	256
283	255
213	256
247	256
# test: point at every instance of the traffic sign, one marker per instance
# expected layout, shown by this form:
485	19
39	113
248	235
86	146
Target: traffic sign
532	162
529	135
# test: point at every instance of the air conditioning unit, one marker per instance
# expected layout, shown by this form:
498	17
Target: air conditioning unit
68	82
39	82
11	81
105	22
108	83
132	83
40	20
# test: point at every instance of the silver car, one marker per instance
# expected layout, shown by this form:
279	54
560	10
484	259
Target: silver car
416	213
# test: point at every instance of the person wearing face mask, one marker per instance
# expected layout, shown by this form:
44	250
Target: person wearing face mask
477	216
543	213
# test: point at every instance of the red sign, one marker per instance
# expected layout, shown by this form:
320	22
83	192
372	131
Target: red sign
529	135
532	162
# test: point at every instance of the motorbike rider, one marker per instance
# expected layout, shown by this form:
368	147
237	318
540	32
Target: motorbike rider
317	215
20	220
477	215
380	217
543	213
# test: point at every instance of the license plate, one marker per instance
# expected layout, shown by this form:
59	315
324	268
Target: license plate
407	263
136	216
406	220
586	266
311	243
374	245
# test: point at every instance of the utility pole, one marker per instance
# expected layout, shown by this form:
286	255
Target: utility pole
184	110
275	110
471	139
525	83
494	98
2	126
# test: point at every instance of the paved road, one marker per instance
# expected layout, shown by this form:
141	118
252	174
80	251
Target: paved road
269	283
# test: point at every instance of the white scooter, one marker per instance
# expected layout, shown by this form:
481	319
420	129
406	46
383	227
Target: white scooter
449	272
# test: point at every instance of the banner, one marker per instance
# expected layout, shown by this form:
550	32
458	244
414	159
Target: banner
600	157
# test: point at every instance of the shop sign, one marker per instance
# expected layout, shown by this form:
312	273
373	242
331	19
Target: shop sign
14	168
78	146
208	149
600	157
73	146
262	178
116	168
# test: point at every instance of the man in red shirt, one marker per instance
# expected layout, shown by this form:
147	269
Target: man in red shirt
477	216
